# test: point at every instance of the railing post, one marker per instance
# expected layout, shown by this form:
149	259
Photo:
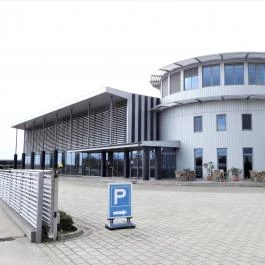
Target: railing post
55	183
39	207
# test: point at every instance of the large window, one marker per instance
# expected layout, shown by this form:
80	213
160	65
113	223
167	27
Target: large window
191	79
256	74
222	158
197	123
246	122
221	122
211	75
234	74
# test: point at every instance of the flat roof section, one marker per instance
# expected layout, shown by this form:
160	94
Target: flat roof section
95	99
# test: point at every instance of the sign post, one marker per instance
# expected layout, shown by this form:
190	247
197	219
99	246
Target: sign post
120	200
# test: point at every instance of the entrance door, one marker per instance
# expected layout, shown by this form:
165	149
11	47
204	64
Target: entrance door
198	162
247	160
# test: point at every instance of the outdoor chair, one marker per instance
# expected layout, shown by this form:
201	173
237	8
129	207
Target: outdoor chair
252	175
178	175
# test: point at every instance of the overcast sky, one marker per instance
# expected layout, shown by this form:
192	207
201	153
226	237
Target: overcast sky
52	52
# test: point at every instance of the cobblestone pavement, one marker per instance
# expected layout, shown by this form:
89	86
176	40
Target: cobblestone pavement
174	225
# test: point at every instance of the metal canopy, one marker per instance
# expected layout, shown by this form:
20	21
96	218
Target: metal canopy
158	75
164	106
119	147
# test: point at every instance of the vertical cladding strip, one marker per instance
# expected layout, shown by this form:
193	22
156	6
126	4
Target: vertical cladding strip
88	123
151	120
70	131
55	131
145	117
110	120
24	143
32	141
133	118
157	122
139	118
43	134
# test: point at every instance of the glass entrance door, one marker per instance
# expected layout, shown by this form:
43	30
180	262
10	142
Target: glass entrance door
198	162
247	160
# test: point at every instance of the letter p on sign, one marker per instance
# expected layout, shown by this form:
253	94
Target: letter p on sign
118	194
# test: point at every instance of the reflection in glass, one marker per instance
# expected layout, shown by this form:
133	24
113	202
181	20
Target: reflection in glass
222	158
234	74
221	122
211	75
256	74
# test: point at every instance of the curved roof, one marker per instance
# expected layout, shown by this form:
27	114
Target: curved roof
158	75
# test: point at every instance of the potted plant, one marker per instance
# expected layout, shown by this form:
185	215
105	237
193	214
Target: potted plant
235	173
209	167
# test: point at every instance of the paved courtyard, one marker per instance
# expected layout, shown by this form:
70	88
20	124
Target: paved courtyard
175	225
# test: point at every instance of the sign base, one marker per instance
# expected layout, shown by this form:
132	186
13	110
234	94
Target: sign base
114	226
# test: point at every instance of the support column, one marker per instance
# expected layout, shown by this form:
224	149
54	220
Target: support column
23	160
157	162
42	160
103	164
110	164
15	161
32	160
126	164
55	159
145	164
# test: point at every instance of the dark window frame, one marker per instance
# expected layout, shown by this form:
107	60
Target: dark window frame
244	122
191	74
211	75
218	129
234	74
200	127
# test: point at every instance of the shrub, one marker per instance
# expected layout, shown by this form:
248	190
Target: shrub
66	222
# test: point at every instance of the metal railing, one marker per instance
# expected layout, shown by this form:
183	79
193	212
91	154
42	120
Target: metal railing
33	194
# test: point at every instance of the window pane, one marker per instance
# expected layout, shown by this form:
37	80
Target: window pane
239	74
246	122
229	78
247	151
221	122
187	83
260	74
198	124
191	79
206	77
194	82
251	73
216	75
222	158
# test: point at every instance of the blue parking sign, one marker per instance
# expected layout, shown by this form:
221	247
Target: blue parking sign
120	197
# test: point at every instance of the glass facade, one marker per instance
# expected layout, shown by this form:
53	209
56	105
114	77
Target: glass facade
168	163
222	158
197	124
211	75
198	162
221	122
256	74
246	122
234	74
191	79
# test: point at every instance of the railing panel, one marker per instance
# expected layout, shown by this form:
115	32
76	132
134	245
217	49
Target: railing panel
31	193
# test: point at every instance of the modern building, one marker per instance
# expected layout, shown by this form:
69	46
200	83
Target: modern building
109	133
215	106
212	108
